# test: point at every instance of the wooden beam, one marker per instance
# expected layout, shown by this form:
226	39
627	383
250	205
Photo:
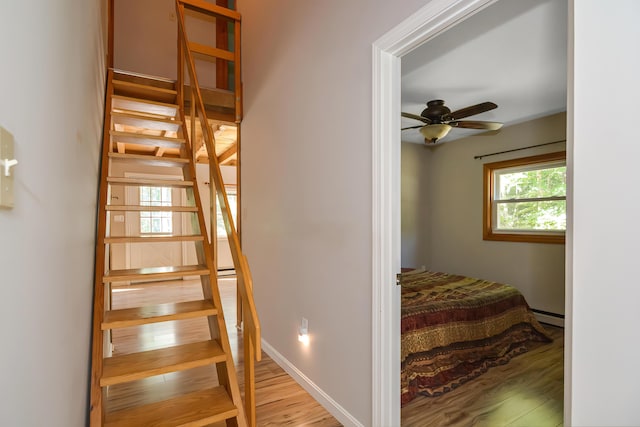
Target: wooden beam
159	151
110	30
222	42
121	147
226	156
237	73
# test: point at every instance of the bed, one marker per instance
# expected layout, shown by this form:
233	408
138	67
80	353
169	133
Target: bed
454	328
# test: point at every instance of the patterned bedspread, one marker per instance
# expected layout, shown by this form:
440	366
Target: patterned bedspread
454	328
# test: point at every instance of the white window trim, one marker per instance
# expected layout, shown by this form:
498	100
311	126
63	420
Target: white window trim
163	214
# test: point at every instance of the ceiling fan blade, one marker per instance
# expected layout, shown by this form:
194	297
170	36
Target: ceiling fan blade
412	127
416	117
471	111
473	124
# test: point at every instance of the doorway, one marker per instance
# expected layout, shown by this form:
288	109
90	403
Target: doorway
426	24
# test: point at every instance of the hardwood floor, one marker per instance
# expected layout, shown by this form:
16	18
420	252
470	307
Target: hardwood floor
526	392
280	401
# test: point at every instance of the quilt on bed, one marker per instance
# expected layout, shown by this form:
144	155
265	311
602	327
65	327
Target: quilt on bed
454	328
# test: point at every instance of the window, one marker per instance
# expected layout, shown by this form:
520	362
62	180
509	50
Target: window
525	199
233	206
155	222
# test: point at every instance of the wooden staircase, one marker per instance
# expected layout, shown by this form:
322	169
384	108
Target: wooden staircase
144	130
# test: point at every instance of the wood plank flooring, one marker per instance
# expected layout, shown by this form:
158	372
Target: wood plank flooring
527	392
280	401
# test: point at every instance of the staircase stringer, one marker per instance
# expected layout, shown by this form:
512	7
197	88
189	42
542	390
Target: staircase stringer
101	298
227	375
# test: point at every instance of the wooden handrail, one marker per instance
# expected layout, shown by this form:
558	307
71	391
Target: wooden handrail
251	324
211	9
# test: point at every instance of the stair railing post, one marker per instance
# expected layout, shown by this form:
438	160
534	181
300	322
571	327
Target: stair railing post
237	72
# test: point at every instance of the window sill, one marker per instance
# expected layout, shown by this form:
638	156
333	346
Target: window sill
525	237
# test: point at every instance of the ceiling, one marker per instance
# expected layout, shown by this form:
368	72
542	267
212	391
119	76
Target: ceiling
513	53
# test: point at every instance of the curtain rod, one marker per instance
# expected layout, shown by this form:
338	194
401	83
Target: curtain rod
518	149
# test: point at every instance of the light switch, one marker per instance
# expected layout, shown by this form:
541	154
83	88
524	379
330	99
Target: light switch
6	182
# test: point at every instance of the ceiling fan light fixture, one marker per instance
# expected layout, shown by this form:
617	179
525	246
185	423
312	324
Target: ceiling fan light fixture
435	131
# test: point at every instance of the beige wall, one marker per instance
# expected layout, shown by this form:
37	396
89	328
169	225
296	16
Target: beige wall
52	94
454	198
415	206
146	39
307	184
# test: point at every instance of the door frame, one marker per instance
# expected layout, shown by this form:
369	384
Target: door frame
434	18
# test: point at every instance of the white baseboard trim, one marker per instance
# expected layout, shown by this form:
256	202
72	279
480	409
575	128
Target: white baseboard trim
551	320
323	398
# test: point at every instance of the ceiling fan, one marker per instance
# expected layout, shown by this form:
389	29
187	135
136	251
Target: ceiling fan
438	119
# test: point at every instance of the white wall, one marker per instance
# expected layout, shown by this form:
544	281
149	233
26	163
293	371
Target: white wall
455	204
52	95
307	183
604	252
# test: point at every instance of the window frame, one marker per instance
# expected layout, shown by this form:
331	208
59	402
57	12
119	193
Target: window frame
231	190
161	214
488	232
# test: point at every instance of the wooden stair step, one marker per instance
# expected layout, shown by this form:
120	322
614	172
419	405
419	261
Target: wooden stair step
144	91
136	316
149	140
200	408
138	208
152	273
146	122
149	159
147	106
213	98
144	79
211	9
136	366
149	182
155	239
